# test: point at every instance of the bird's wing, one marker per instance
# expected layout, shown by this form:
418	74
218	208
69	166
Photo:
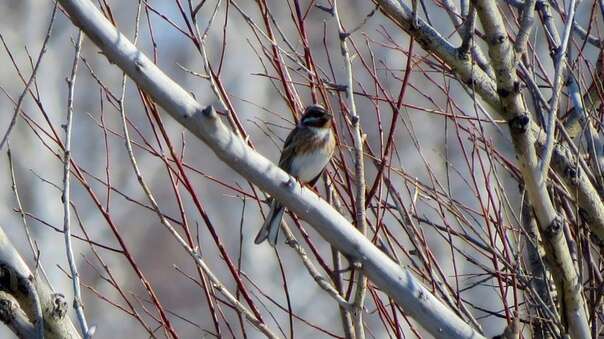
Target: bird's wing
291	143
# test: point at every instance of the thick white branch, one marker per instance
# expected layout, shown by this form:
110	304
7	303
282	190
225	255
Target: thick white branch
18	278
15	318
204	123
551	225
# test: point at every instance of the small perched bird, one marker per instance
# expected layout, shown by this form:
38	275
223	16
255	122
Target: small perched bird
306	152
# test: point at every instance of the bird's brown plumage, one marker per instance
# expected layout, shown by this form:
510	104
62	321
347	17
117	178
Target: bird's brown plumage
306	152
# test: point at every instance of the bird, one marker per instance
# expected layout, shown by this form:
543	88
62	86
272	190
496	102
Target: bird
306	152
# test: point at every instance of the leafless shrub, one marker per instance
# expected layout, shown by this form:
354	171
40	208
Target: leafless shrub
470	155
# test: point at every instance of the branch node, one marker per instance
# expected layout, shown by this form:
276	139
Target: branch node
504	92
291	183
138	65
59	306
7	310
572	174
292	243
77	303
470	81
554	229
209	112
463	53
499	39
519	124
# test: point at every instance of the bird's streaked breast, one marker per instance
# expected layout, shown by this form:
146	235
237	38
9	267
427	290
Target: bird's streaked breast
308	165
312	155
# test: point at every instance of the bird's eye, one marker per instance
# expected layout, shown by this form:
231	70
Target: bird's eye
311	120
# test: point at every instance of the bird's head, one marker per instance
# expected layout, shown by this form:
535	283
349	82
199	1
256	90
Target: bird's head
316	116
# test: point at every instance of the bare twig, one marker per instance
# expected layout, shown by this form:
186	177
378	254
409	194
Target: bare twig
466	30
32	77
526	27
66	197
217	285
359	175
22	213
345	315
312	269
469	27
560	67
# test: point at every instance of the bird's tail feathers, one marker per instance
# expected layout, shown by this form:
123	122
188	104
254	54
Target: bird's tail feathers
270	229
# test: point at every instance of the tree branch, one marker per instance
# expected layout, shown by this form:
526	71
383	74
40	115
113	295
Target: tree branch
15	318
560	70
551	225
17	280
75	277
13	120
359	177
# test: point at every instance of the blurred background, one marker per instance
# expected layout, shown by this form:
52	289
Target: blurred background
438	164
